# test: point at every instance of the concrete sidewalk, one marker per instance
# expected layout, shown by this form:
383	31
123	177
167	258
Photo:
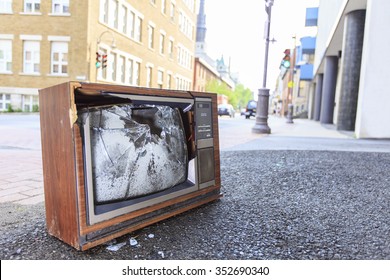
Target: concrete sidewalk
303	134
21	178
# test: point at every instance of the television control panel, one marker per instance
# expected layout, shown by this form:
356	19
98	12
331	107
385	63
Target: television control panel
203	119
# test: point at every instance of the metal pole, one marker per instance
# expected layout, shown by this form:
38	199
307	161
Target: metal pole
261	125
290	106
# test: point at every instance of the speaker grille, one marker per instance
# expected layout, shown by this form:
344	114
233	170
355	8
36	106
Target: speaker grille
206	165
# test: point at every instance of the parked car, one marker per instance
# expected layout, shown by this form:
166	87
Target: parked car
251	109
226	110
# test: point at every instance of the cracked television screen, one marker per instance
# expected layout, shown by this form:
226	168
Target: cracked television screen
136	150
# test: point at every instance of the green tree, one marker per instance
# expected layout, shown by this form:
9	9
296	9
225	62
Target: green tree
238	98
243	95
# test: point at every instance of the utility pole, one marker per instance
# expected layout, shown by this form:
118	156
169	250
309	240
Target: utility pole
261	125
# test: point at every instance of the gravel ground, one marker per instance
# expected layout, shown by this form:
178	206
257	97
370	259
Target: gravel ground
276	205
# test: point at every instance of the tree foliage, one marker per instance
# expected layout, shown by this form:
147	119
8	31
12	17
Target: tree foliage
238	98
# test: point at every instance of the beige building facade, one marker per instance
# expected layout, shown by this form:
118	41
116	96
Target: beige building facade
147	43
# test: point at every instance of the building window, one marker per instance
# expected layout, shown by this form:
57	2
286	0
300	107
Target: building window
170	49
172	11
104	11
190	4
186	26
122	69
163	6
130	66
5	101
113	65
169	81
138	29
5	56
162	43
32	6
59	58
27	102
60	7
160	78
131	24
137	74
31	57
149	76
123	18
151	37
6	6
113	14
184	57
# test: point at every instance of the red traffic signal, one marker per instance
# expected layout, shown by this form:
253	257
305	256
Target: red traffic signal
104	60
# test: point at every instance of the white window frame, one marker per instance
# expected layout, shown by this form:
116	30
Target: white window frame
62	49
103	13
172	11
169	79
149	74
121	69
113	10
30	64
112	66
162	42
61	4
6	54
130	71
4	101
160	77
137	73
151	31
138	29
33	4
6	7
164	7
170	47
123	12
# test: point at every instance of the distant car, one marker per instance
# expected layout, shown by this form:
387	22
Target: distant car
251	109
226	110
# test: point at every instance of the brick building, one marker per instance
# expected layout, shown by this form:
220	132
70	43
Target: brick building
148	43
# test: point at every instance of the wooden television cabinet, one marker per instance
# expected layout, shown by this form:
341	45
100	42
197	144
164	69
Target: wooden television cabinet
64	170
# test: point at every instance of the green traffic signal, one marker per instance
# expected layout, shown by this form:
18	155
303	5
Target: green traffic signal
286	59
286	63
98	62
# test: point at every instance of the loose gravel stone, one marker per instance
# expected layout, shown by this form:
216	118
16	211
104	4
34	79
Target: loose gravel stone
276	205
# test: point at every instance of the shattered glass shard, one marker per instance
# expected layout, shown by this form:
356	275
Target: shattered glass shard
136	151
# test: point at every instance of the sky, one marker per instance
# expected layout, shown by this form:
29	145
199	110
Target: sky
235	30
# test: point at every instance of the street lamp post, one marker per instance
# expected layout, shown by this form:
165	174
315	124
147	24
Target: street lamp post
113	44
261	125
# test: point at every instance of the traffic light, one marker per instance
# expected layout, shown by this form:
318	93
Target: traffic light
286	59
98	62
104	60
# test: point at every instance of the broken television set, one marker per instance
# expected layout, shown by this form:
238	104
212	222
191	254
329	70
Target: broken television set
144	150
